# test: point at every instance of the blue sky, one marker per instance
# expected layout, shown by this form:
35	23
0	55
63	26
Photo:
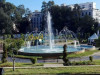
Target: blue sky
36	4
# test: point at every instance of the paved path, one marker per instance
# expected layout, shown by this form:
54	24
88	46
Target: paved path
53	65
17	59
49	65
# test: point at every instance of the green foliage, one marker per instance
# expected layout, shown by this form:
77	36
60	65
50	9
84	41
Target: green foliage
4	56
2	1
65	58
97	42
83	63
71	19
33	60
91	58
45	7
22	36
5	22
10	14
14	44
21	9
87	25
64	52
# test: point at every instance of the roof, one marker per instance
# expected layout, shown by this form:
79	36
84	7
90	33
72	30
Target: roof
94	36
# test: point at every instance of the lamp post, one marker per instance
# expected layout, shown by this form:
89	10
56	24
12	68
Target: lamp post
13	59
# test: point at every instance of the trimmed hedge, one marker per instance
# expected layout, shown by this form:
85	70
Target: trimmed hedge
34	60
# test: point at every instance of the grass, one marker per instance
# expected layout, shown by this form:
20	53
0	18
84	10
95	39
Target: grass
63	70
97	62
10	64
86	53
26	57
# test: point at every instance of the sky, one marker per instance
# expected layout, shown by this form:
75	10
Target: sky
36	4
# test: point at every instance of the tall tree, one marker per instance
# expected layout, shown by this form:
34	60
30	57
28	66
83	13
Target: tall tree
87	25
28	12
2	1
21	10
5	22
61	16
45	7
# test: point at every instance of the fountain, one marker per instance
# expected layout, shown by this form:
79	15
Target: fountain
28	44
64	34
75	45
51	39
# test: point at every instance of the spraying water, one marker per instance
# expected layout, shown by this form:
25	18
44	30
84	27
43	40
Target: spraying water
28	44
75	44
51	36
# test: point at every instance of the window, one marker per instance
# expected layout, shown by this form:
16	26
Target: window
82	14
90	5
83	6
89	13
34	19
86	13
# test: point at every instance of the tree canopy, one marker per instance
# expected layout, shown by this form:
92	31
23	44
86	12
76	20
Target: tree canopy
71	17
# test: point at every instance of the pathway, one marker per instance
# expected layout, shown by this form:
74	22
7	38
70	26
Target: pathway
17	59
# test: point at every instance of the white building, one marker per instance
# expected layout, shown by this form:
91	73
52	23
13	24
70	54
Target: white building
36	20
90	9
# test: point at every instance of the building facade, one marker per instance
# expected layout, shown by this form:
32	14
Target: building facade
36	21
90	9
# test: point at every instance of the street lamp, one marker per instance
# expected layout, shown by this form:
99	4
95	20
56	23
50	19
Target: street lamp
13	59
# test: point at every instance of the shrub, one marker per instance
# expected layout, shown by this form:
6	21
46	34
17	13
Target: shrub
14	44
85	63
73	63
91	58
4	56
97	42
67	62
65	58
64	53
33	60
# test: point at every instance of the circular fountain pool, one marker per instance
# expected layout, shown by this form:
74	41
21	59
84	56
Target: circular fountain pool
56	49
46	49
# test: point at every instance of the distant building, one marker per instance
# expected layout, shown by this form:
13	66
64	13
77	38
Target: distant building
63	4
36	20
2	0
90	9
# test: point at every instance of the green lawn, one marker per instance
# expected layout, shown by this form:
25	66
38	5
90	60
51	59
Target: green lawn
26	57
86	53
62	70
10	64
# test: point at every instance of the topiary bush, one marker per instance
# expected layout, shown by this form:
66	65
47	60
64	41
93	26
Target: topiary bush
65	58
64	53
4	56
34	60
91	58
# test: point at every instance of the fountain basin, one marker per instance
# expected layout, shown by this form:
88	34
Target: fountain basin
57	50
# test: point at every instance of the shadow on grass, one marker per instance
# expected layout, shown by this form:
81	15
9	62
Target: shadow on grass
27	64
